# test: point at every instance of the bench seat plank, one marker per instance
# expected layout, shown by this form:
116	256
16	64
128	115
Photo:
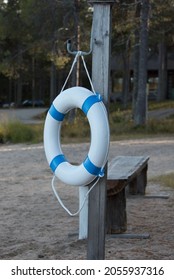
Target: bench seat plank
124	170
126	167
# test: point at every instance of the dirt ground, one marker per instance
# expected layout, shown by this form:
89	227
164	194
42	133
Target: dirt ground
34	226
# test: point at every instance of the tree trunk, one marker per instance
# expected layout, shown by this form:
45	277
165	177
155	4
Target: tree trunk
136	52
126	76
10	91
33	81
19	91
136	72
162	85
141	103
19	81
52	82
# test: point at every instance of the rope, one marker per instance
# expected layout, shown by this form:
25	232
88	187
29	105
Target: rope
62	204
71	69
89	78
79	54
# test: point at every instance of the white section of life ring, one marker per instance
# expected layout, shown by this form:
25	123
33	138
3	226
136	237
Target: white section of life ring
93	107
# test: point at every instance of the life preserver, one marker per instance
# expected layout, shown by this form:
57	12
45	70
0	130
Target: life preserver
93	107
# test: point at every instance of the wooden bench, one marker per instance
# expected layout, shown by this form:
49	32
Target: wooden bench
123	171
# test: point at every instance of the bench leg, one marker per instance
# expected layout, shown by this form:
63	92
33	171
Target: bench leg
142	181
116	218
138	185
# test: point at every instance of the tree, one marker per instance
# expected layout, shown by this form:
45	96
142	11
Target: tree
11	34
123	26
162	26
33	55
127	24
140	117
136	50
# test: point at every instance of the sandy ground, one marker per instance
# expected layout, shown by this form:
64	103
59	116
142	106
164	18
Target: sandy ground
34	226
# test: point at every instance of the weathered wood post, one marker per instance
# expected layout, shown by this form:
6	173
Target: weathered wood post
100	77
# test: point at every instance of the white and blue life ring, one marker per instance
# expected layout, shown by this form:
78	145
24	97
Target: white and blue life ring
92	106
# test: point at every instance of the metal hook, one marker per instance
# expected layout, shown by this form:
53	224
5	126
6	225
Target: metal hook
75	52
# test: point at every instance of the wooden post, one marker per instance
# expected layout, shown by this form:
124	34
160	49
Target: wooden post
83	216
100	77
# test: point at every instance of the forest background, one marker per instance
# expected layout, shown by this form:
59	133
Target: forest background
34	61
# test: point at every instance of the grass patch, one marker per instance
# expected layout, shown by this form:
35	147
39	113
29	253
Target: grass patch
76	130
167	104
17	132
166	180
75	127
122	126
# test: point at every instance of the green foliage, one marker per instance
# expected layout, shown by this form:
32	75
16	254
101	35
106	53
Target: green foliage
167	104
17	132
77	129
162	13
126	21
33	35
122	126
157	127
59	61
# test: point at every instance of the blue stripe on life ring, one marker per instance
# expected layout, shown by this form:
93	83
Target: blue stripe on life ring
56	161
89	102
91	168
56	114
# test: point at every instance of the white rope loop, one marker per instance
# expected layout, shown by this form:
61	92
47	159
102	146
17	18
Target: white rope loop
61	202
77	56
